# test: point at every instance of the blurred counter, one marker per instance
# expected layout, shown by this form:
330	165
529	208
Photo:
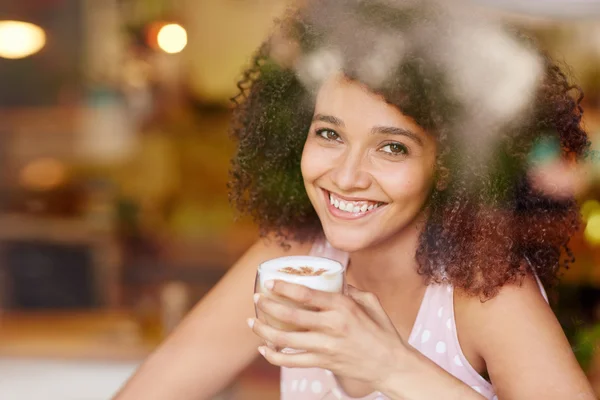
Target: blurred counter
102	348
95	335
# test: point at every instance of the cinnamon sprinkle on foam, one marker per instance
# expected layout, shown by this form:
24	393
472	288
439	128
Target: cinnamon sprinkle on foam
303	271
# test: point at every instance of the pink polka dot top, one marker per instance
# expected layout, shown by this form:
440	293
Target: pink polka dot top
433	334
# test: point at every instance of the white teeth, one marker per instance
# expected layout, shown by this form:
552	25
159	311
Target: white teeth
350	206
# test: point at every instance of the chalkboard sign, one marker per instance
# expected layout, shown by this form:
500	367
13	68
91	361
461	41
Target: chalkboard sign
48	275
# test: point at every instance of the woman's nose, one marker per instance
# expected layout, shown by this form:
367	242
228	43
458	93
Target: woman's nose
350	175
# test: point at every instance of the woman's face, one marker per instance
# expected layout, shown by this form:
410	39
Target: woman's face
368	169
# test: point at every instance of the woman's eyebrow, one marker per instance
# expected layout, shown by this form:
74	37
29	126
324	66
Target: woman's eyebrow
392	130
385	130
330	119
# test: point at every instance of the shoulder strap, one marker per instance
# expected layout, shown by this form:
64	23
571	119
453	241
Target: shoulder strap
537	279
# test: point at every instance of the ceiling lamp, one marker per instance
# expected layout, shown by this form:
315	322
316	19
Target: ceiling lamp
172	38
20	39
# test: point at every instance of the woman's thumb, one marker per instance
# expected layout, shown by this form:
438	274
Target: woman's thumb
371	305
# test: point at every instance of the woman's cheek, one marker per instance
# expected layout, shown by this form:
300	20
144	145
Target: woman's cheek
405	182
315	160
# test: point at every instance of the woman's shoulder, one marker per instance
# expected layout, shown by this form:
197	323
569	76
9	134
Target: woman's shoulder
504	308
518	338
524	292
512	317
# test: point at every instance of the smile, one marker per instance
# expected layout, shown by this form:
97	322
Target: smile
351	209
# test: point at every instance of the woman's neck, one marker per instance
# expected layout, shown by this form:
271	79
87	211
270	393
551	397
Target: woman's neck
390	267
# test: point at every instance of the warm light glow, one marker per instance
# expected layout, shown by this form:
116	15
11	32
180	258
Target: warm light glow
172	38
592	230
589	207
43	174
20	39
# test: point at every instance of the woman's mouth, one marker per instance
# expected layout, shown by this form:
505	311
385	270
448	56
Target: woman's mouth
346	208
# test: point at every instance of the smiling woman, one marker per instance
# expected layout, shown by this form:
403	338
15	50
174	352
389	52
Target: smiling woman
364	153
481	194
393	138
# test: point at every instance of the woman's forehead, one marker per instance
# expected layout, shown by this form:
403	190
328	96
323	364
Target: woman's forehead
354	103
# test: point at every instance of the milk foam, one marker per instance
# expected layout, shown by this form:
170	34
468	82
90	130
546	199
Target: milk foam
330	281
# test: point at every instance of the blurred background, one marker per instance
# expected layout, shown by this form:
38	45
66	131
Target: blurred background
114	156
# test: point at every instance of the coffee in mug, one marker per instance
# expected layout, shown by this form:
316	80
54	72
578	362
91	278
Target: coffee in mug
317	273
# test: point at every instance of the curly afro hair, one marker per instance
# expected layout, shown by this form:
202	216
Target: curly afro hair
486	228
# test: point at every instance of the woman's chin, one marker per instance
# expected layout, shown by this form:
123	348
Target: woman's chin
348	241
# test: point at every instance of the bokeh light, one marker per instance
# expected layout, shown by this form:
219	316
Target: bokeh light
588	208
43	174
20	39
592	229
172	38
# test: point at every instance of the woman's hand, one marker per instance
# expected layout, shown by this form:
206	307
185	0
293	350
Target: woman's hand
351	336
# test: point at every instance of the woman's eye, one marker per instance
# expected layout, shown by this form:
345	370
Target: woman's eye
328	134
395	149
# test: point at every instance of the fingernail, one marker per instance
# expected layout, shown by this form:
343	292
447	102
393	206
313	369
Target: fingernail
269	284
256	297
250	322
261	350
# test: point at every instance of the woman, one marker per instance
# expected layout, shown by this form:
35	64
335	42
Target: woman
373	149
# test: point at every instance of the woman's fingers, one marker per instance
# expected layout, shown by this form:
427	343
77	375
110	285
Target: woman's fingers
297	360
323	301
371	305
309	341
308	297
260	315
295	318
